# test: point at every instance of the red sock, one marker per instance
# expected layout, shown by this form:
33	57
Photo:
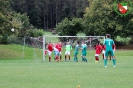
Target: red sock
97	58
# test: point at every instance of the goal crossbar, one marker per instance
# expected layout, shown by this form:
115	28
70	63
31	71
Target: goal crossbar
74	36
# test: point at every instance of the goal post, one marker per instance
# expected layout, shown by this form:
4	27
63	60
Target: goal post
90	40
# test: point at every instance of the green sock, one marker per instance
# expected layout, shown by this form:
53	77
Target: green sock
74	59
114	61
82	59
105	62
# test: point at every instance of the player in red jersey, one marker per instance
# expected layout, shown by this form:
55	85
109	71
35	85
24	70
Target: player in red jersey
59	47
50	49
98	51
103	51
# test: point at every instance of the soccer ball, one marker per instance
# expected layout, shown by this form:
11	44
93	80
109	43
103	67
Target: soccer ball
12	29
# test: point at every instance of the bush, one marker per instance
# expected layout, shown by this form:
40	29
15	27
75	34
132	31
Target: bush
35	32
1	37
12	39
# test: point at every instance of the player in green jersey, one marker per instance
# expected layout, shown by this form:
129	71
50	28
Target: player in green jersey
84	49
109	44
76	52
68	51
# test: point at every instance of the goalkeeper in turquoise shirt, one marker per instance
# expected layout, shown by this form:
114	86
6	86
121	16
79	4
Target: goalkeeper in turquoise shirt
109	44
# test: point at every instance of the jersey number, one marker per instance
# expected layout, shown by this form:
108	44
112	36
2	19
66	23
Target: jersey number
109	43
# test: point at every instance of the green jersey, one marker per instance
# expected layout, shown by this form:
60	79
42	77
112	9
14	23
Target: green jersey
68	48
108	44
76	48
84	48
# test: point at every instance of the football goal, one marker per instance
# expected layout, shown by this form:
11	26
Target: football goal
89	40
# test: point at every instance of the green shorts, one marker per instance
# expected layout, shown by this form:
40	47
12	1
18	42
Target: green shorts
75	53
107	53
83	53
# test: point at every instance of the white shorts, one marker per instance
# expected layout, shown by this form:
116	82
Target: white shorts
56	51
49	52
96	54
60	53
103	52
67	53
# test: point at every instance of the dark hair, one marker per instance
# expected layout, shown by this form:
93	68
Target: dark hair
108	35
78	42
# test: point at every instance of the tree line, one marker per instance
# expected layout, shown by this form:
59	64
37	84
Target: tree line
48	13
68	17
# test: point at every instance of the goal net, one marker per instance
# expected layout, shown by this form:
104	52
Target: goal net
89	40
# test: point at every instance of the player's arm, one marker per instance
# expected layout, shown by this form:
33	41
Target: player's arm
114	47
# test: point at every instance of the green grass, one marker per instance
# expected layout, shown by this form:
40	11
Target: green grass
34	73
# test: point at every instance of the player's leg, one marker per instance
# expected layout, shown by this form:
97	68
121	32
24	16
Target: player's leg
103	54
113	58
49	55
66	53
84	56
60	54
56	55
96	57
105	59
75	56
69	56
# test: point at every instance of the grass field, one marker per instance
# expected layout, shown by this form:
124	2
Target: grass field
30	72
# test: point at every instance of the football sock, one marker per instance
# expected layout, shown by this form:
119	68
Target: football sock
105	62
49	59
76	59
82	59
65	57
103	56
114	61
60	58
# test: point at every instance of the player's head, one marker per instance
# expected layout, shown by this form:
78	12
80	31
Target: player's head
49	42
98	42
77	42
83	42
108	36
68	43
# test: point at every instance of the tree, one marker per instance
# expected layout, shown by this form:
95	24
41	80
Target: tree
69	27
48	13
5	16
100	19
20	22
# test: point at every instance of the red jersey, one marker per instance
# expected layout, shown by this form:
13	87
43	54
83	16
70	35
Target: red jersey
98	49
50	47
58	46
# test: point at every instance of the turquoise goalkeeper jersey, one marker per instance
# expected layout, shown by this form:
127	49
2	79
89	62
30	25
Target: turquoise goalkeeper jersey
108	44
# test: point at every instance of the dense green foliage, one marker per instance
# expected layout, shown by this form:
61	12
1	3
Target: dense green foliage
101	18
47	13
70	27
